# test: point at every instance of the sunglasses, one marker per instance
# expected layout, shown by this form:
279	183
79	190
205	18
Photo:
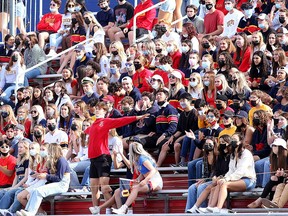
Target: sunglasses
210	116
226	117
154	80
33	111
128	64
52	4
172	77
192	79
71	6
4	146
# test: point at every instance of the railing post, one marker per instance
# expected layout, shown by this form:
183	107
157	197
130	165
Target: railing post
12	9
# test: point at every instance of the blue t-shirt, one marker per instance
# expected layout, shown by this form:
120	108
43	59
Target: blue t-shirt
21	168
104	17
142	169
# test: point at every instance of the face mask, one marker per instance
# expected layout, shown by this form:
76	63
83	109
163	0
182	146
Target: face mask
206	83
51	127
27	43
227	125
279	98
234	81
248	13
221	63
4	154
170	49
89	93
113	71
193	62
219	106
37	134
234	144
228	7
43	154
53	10
253	103
146	52
114	53
35	118
158	50
205	45
184	49
87	21
4	114
137	66
277	5
281	20
20	118
276	121
18	136
164	67
261	26
161	103
32	152
77	8
71	10
17	41
104	8
256	121
208	147
222	147
193	83
74	21
79	57
209	6
73	127
64	115
14	58
236	105
183	105
154	34
255	43
205	65
163	29
155	86
125	109
185	35
50	113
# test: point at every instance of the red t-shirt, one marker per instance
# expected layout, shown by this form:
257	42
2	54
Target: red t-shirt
50	23
8	163
98	134
244	63
139	80
176	57
211	21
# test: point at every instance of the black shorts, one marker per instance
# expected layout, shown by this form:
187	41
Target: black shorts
100	166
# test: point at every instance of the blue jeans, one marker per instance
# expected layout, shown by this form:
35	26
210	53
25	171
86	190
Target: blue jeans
187	144
194	170
193	194
7	92
8	198
31	74
55	40
16	205
37	195
262	166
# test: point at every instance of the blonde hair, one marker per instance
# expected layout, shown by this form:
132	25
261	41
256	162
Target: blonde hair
200	83
241	85
174	90
135	150
34	160
94	20
225	86
26	155
121	52
54	152
10	118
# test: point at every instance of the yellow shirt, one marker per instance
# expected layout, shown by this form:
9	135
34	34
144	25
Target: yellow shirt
253	109
228	131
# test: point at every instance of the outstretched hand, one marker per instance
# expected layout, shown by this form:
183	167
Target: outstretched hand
143	116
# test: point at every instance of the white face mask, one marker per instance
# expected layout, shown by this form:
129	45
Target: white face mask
71	10
53	10
193	83
43	153
64	115
32	152
155	86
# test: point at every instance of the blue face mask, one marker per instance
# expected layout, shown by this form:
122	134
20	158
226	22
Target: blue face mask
277	5
261	25
154	34
248	13
206	83
205	65
228	7
77	8
113	71
145	52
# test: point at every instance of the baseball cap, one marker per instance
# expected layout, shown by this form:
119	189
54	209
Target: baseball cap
87	80
284	69
108	98
79	48
262	16
228	113
158	77
222	97
241	114
177	74
134	139
127	79
279	142
20	127
246	6
282	30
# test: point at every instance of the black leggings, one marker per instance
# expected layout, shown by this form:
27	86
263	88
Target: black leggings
268	187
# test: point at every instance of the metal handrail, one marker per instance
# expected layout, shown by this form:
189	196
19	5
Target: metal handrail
179	20
59	54
141	12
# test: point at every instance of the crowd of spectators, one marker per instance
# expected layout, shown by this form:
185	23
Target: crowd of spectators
211	88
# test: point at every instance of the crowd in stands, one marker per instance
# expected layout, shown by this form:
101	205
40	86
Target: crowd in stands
211	88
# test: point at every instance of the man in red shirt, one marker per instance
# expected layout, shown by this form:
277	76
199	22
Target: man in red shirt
214	19
7	165
98	151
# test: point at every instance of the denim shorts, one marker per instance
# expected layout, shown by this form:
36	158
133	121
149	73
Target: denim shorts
20	10
250	184
169	6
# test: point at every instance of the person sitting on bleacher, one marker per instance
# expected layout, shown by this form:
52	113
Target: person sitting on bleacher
82	57
49	23
106	16
7	49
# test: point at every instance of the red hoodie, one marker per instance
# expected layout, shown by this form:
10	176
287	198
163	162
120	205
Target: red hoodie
139	80
144	20
44	24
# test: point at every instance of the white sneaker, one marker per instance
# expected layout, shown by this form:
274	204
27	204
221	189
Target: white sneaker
4	212
18	213
94	210
224	211
122	210
192	210
51	53
25	213
130	211
203	210
108	211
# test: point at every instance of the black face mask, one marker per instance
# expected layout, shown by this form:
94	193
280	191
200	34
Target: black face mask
205	45
208	147
73	127
14	58
222	147
4	154
282	20
158	50
74	21
253	103
27	98
227	126
209	6
234	144
256	121
137	66
104	8
87	21
160	103
255	43
94	53
27	43
17	41
276	121
163	29
4	114
219	106
51	127
37	134
114	53
35	118
234	81
221	63
236	105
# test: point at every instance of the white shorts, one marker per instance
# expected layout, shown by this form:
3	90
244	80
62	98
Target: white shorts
156	181
169	6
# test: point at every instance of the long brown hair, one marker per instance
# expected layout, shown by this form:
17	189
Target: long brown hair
54	152
279	160
240	51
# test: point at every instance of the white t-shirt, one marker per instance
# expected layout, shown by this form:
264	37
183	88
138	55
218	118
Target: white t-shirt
231	22
115	143
59	137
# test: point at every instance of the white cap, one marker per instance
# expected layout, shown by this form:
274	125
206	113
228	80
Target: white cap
126	79
158	77
279	142
177	74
